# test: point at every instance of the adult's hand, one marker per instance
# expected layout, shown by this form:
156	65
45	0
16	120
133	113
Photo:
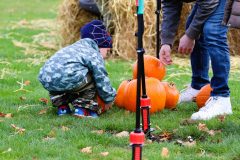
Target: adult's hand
186	45
165	54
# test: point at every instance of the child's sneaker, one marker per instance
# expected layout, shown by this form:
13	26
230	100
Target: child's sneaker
80	112
63	110
92	114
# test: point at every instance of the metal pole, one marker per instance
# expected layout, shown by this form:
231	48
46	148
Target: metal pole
137	137
158	28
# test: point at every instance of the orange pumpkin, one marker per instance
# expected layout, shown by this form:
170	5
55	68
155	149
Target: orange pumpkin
120	94
153	67
155	91
172	95
203	95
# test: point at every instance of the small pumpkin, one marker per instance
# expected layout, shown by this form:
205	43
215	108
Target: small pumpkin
172	95
120	94
153	67
155	91
203	95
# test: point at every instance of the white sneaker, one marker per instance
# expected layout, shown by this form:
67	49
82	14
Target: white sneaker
188	95
213	107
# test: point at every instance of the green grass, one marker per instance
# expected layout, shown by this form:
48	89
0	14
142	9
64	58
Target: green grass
32	144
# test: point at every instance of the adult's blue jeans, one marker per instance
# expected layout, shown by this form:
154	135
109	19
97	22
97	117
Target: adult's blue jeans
211	47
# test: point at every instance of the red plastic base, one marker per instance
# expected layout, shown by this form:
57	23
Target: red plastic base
145	102
137	138
145	114
137	153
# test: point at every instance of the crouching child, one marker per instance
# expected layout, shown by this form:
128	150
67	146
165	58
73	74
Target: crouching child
76	74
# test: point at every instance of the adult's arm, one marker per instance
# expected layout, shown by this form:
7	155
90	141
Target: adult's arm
204	10
171	17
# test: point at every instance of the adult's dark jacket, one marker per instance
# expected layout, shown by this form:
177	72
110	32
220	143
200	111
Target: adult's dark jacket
232	14
171	17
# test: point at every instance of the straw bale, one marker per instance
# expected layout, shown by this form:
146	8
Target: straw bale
71	18
120	18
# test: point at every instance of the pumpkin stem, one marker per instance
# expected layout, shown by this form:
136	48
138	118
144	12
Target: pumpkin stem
171	84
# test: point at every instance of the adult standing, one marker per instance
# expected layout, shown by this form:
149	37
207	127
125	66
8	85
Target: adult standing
205	39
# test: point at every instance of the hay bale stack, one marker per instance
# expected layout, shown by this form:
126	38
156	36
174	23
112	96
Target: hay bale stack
71	18
234	41
120	18
125	22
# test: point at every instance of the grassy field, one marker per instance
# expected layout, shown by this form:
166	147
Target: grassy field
31	129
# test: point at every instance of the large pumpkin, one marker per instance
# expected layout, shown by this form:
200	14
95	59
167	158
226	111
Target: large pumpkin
155	91
120	94
172	95
203	95
153	67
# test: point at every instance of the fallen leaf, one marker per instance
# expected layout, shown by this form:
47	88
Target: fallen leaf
98	131
2	114
44	111
22	98
86	150
221	118
34	158
165	136
27	82
213	132
202	127
18	129
104	154
23	22
122	134
43	100
165	152
8	115
64	128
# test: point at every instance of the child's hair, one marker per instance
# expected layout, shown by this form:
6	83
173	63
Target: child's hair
96	31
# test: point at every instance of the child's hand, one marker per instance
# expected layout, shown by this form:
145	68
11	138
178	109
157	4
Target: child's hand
108	106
